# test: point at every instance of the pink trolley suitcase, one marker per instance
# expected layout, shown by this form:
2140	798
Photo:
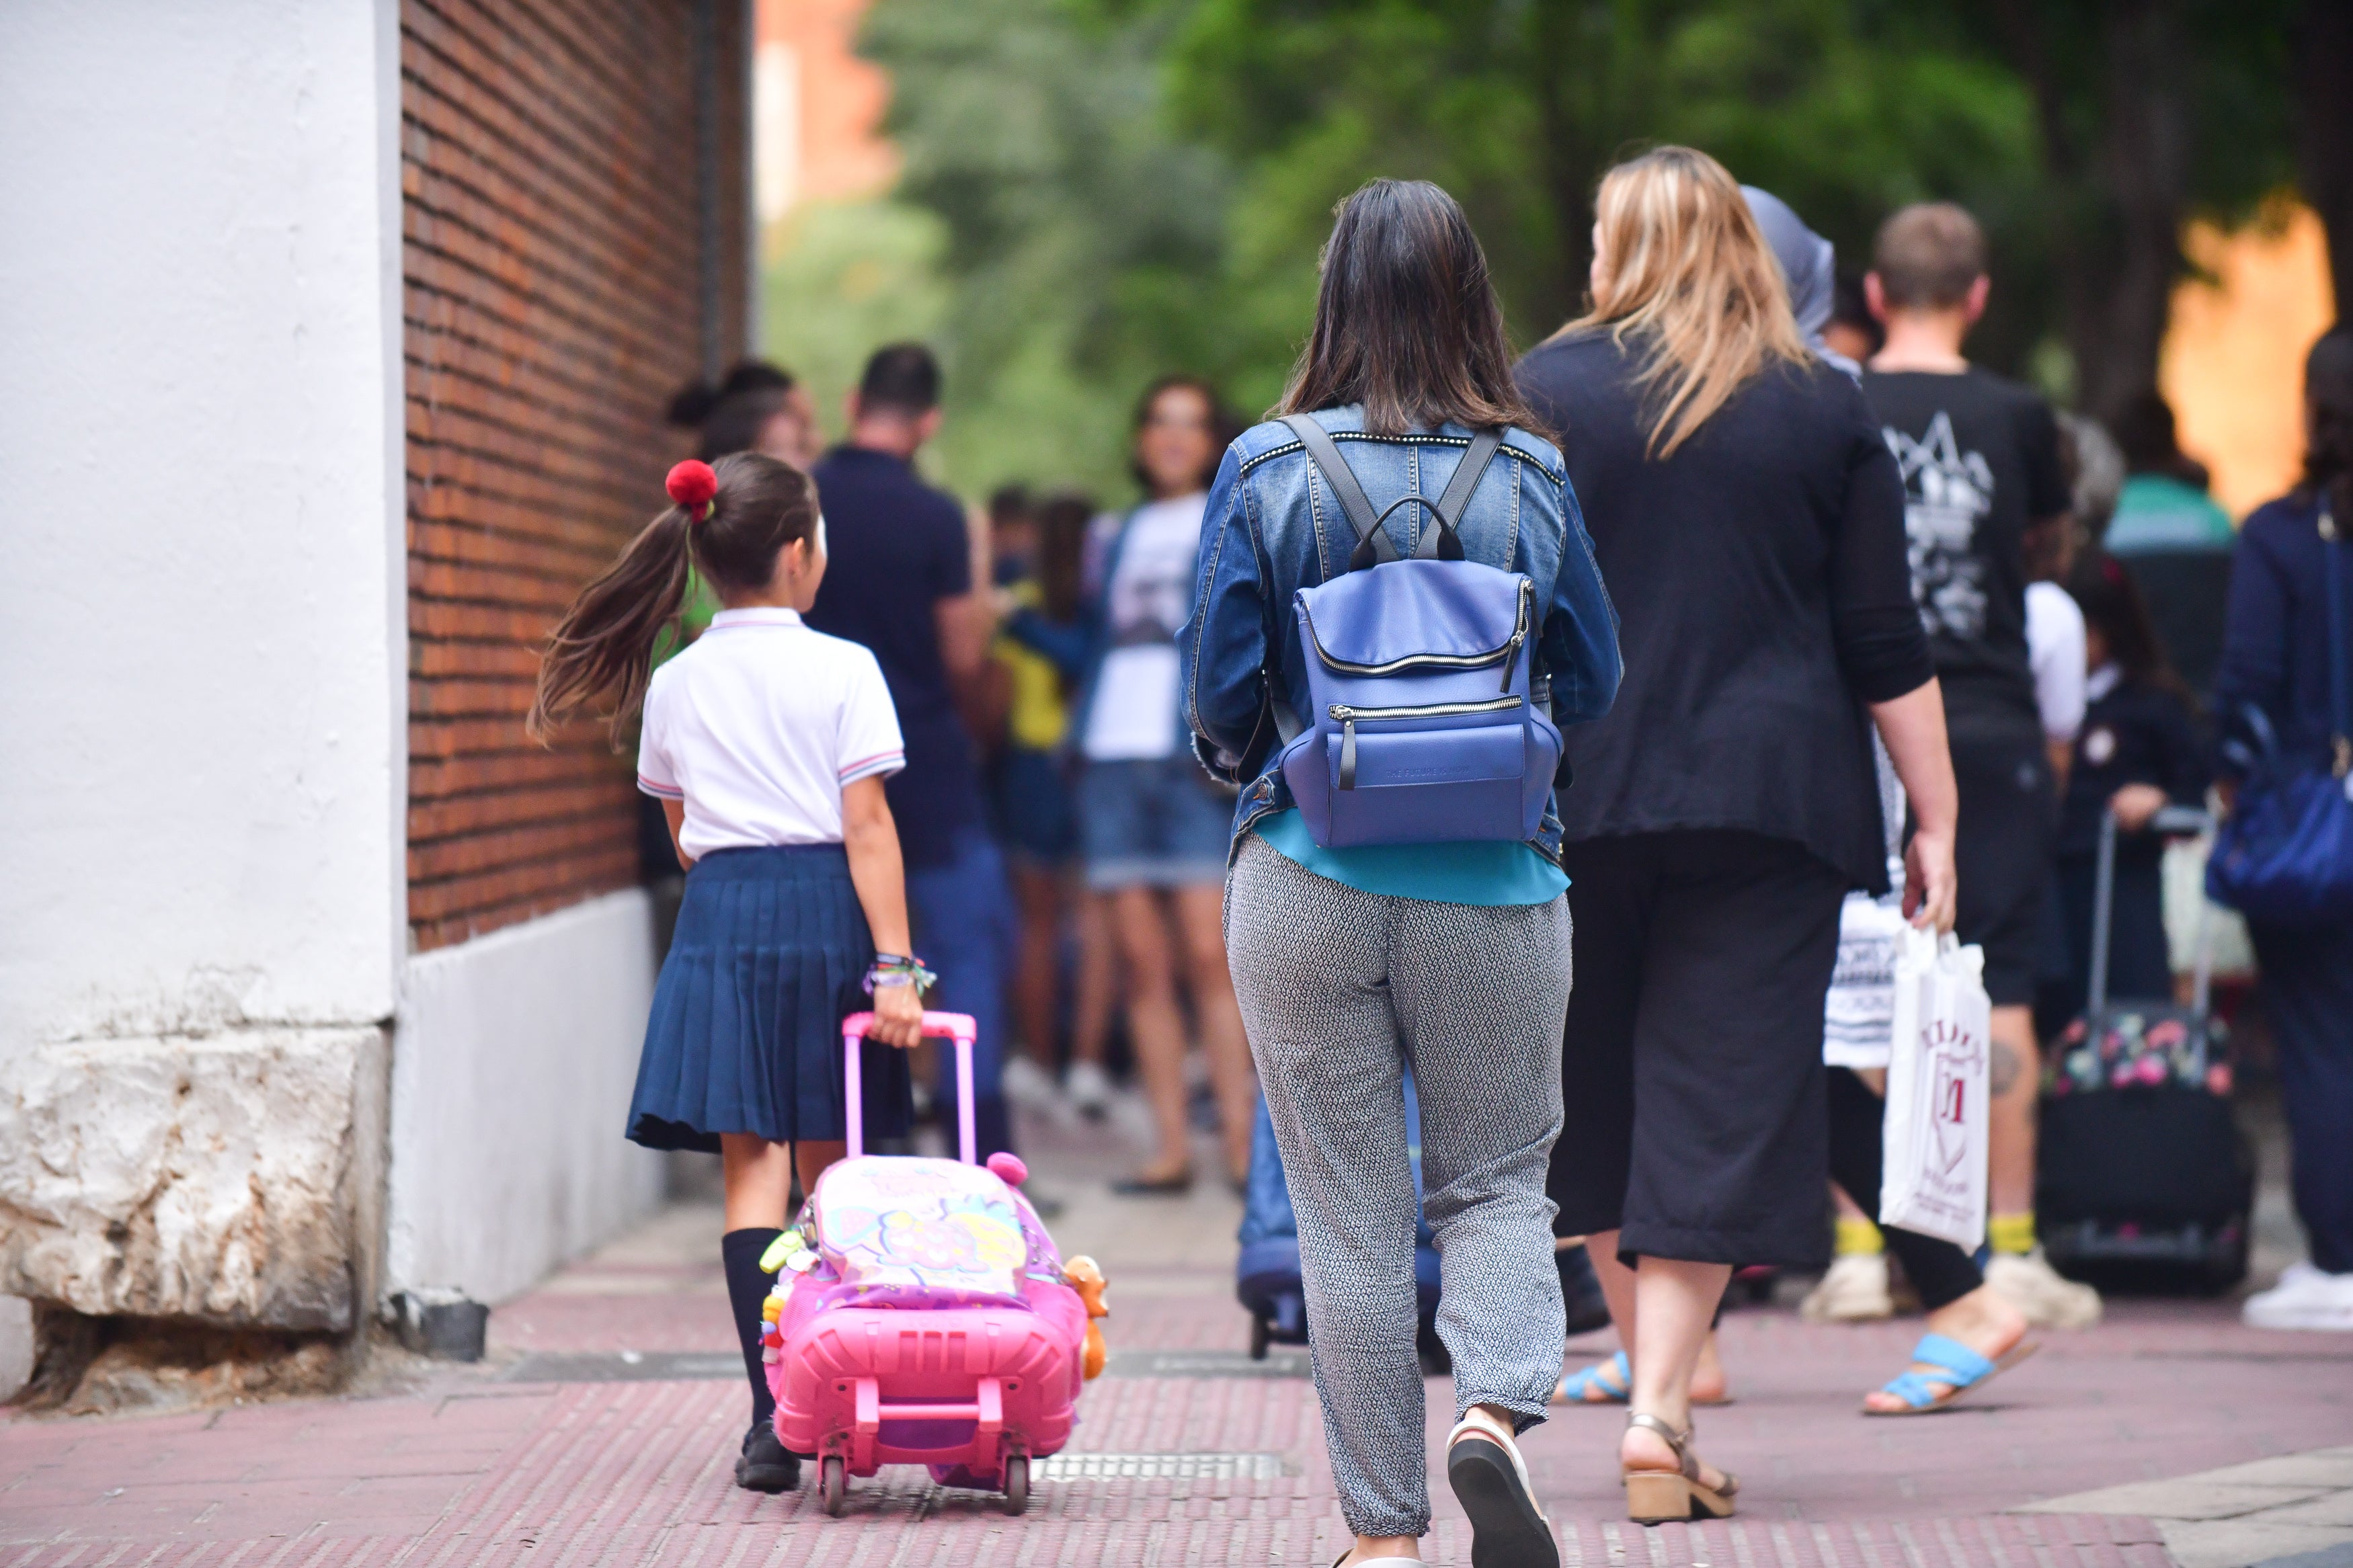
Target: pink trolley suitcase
923	1316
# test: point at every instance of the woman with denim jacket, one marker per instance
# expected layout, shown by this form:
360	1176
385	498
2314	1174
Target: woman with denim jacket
1751	519
1452	959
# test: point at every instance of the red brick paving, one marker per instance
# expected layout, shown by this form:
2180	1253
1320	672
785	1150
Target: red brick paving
464	1469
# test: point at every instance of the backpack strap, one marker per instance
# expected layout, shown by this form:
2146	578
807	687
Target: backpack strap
1363	522
1467	475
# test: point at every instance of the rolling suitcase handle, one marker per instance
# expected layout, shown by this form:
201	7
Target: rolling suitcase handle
2174	822
957	1026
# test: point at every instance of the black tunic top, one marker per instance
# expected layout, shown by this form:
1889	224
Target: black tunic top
1764	596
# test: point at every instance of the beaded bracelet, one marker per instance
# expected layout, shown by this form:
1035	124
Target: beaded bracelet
893	969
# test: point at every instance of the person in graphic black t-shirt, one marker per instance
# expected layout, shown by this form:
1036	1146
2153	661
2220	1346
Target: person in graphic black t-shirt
1984	494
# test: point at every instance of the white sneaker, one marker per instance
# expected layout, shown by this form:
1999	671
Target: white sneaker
1089	1089
1853	1292
1025	1084
2029	1283
2304	1298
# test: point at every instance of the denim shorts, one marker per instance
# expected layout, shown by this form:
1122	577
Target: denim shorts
1155	823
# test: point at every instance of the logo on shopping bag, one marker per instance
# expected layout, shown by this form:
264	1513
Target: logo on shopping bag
1959	1058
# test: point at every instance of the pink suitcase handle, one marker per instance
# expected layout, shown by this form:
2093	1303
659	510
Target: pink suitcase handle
957	1026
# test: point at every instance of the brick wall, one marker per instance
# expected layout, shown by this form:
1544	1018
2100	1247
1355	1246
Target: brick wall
552	272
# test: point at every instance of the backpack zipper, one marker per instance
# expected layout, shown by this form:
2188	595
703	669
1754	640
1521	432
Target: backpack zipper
1506	652
1347	716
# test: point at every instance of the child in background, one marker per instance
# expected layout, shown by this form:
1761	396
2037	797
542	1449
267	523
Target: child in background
2137	752
766	743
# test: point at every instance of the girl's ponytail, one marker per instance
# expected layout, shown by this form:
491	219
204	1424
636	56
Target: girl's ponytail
733	520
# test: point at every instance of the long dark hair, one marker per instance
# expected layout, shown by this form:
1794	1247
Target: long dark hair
1062	520
2329	397
2114	606
730	416
1406	319
605	639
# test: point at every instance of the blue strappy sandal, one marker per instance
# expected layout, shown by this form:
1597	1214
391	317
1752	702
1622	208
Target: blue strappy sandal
1573	1389
1962	1367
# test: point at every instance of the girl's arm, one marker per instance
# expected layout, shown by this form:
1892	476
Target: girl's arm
1912	728
871	840
675	812
1066	646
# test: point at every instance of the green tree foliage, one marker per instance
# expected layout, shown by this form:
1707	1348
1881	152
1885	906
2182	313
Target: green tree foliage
1082	240
1098	191
2148	112
1518	106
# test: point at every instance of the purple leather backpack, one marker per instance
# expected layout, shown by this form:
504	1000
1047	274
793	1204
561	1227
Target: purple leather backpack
1420	729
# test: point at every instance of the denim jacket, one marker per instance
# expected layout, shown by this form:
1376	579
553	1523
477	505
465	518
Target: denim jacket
1273	527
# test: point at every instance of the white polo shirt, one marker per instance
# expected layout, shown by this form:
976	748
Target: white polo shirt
758	726
2054	647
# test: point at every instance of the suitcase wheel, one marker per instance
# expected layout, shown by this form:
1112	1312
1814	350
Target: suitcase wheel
833	1484
1261	1332
1017	1483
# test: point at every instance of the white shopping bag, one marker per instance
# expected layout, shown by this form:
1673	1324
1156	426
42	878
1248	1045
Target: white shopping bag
1859	1012
1935	1176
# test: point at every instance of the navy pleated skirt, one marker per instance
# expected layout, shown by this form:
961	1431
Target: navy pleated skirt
745	1035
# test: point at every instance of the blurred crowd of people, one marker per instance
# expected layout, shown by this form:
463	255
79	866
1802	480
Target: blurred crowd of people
1824	527
1065	854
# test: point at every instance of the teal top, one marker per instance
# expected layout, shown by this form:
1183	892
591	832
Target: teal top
2160	513
1487	872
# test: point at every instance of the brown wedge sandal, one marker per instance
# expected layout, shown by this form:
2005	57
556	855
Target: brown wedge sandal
1661	1497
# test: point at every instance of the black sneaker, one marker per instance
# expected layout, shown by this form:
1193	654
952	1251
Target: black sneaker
764	1467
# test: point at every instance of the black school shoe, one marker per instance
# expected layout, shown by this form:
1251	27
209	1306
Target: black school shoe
764	1467
1582	1302
1507	1529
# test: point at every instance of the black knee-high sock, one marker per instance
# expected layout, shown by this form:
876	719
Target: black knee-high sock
747	1292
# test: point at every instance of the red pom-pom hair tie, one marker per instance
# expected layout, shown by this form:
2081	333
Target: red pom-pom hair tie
691	485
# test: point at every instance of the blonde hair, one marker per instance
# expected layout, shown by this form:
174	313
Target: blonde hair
1684	268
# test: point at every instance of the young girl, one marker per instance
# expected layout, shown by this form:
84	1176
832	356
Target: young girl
2136	752
767	744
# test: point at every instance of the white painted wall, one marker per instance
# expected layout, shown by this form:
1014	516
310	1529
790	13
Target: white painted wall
202	638
512	1062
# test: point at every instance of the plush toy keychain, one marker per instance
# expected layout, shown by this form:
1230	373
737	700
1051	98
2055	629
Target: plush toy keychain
1085	1276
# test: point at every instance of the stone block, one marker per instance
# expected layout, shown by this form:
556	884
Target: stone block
2324	1468
2239	1542
2188	1496
222	1179
16	1345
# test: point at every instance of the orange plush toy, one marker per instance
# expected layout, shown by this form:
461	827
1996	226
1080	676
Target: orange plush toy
1085	1276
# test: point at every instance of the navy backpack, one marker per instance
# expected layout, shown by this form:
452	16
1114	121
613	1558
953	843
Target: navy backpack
1421	729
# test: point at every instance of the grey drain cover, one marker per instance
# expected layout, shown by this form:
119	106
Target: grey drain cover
1160	1467
623	1366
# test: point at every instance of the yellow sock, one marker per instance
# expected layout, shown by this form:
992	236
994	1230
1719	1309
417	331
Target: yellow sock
1858	1237
2011	1232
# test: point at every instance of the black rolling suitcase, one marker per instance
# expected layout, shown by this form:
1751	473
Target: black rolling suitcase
2144	1180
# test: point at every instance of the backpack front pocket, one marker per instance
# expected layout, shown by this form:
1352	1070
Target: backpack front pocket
1390	784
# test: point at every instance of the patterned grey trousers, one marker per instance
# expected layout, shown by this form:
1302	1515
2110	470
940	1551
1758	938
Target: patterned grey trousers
1341	990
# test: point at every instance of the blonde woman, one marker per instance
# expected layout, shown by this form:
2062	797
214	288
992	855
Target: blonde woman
1749	520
